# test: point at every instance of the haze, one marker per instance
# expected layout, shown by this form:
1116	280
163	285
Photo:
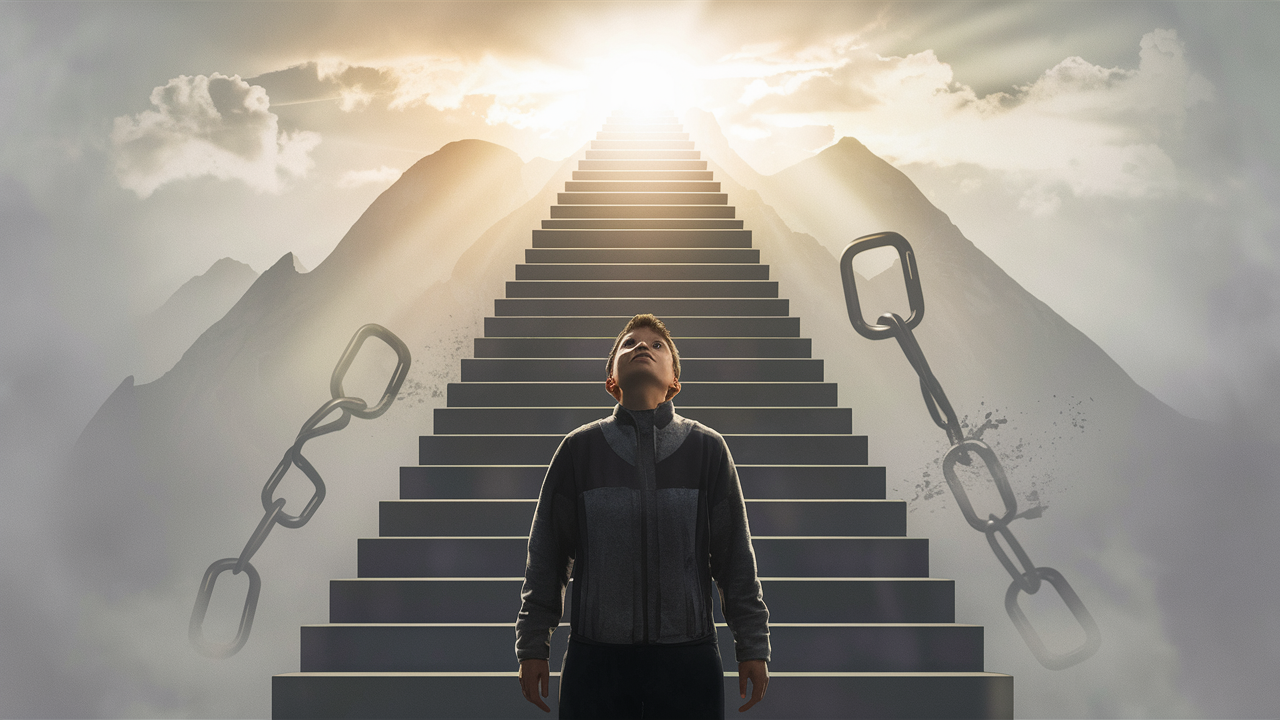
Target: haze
1119	161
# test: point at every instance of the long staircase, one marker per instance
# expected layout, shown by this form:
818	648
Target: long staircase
858	627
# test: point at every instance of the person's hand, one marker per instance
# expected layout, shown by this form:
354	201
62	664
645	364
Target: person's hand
535	674
758	672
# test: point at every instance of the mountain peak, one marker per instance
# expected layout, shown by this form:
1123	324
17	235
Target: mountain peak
461	153
287	261
227	265
446	198
849	143
168	331
847	150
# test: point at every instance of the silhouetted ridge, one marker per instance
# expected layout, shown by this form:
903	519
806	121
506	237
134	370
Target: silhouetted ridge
434	197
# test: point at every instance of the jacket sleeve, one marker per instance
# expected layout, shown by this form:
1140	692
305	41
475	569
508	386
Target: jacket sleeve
733	565
549	563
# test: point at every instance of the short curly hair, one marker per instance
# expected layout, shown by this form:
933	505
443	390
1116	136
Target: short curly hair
650	321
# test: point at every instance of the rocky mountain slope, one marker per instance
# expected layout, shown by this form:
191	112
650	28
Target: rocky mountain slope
165	334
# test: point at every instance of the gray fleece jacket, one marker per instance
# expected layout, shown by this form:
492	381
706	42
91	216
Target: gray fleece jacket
645	510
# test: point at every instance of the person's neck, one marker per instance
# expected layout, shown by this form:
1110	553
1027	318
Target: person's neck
639	400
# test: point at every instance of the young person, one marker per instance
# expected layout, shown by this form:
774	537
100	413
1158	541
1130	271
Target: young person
644	508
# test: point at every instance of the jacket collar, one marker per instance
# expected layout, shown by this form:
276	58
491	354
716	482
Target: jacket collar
662	415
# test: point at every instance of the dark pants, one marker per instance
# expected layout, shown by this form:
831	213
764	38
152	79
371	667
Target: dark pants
642	681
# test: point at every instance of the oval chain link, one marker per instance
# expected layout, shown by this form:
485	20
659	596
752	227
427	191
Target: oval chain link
1027	578
1051	660
988	456
274	507
195	631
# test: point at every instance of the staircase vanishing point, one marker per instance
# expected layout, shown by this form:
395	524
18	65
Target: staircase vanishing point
427	628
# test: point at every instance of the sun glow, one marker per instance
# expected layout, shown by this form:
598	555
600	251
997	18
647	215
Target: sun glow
645	79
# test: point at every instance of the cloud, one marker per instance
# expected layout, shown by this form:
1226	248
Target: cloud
217	125
521	93
377	176
356	85
1078	129
1090	130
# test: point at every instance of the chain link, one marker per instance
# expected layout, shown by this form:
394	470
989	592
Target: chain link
1026	579
274	507
997	475
1055	661
935	399
196	632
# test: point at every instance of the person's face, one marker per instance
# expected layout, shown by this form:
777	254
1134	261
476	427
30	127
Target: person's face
643	359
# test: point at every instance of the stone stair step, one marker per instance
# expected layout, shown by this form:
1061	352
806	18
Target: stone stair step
888	696
666	133
642	271
641	238
820	599
661	307
642	288
645	175
838	516
640	155
598	348
642	211
728	420
641	135
638	165
642	198
487	647
802	556
691	370
400	518
629	128
758	481
528	449
642	143
642	224
642	255
853	482
668	186
681	327
664	117
585	394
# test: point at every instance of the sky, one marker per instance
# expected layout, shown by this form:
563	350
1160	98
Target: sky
1119	160
1121	148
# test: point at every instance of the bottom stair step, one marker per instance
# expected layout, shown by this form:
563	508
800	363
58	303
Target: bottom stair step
497	695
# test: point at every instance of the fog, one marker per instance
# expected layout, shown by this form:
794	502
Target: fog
1177	285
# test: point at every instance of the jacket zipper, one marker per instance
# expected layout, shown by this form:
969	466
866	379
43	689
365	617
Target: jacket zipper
644	530
644	565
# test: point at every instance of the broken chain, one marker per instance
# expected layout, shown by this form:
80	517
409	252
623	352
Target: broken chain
1026	575
274	507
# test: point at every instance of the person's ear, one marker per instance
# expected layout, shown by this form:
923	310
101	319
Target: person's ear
673	390
611	385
